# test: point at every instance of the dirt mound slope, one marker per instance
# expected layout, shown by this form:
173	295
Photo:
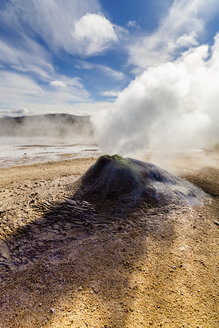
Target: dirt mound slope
63	263
129	180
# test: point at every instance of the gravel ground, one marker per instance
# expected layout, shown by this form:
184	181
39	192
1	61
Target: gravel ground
67	263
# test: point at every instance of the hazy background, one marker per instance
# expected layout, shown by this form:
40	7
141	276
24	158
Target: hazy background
41	138
147	73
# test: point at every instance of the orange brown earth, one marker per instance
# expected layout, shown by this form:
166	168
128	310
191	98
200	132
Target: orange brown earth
66	263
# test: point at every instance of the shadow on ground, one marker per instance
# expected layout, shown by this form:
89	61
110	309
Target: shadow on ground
79	265
76	252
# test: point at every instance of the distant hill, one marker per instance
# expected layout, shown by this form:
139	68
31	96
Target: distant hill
57	125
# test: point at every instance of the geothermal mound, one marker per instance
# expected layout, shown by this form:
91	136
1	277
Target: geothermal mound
129	180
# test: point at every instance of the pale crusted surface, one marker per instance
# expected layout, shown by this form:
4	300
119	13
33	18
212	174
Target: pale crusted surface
66	264
43	171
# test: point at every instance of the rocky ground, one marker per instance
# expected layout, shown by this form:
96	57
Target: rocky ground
71	263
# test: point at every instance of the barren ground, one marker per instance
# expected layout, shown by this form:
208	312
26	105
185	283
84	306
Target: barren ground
70	264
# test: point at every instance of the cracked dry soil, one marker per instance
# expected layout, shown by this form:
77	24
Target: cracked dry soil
69	263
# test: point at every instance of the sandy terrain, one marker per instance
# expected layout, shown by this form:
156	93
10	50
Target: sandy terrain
66	263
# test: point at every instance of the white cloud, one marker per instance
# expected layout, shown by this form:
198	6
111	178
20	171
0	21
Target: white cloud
67	82
178	30
132	23
20	91
25	60
117	75
82	64
171	105
111	93
187	40
17	90
93	34
52	20
31	58
76	27
58	84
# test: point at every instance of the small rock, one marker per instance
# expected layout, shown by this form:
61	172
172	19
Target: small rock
80	288
95	289
216	222
182	248
71	202
52	310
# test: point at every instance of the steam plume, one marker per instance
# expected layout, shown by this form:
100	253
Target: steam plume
171	105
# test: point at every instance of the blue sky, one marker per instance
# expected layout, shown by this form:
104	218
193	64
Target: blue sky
77	56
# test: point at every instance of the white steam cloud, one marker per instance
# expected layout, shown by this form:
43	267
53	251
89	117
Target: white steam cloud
171	105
